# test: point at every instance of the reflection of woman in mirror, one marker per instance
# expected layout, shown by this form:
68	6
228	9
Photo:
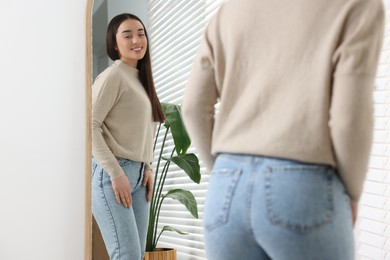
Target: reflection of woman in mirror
124	108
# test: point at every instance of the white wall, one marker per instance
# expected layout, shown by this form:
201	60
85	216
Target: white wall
42	129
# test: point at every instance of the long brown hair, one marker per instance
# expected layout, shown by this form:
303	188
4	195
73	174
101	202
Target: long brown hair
144	65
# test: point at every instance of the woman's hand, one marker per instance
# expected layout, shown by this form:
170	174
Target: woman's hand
148	181
122	190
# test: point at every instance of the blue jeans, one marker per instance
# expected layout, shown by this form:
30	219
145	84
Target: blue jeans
123	229
267	208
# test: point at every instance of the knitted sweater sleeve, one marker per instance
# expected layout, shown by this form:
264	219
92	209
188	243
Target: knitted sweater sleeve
105	94
199	99
351	113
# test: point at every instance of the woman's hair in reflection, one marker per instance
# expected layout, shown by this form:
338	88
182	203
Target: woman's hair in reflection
144	65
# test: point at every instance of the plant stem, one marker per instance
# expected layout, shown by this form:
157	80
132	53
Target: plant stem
155	139
152	201
159	235
159	197
159	188
150	239
160	201
155	241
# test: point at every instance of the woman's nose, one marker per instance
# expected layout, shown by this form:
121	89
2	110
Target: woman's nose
136	39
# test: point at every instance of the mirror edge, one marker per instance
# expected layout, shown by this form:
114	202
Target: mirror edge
88	118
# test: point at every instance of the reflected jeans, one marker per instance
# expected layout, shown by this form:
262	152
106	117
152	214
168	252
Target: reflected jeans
267	208
123	229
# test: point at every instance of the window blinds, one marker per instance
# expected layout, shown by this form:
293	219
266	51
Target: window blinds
176	27
175	31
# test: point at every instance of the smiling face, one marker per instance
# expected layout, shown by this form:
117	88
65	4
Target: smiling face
131	42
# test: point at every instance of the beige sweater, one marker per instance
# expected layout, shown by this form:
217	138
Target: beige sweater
294	80
122	124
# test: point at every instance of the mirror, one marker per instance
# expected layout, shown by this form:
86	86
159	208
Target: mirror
173	53
98	15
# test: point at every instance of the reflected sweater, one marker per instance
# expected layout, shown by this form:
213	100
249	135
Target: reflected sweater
122	124
294	80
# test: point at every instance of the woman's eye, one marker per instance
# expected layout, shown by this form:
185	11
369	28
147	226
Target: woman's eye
141	35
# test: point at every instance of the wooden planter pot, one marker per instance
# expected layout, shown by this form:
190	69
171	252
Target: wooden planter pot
161	254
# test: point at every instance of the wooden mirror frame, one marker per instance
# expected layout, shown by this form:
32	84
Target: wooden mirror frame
88	116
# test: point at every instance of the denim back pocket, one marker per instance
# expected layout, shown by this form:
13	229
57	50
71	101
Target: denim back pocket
299	197
222	185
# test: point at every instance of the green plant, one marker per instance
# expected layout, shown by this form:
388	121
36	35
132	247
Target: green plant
188	162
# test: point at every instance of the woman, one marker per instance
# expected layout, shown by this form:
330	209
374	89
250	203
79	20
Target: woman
125	108
290	144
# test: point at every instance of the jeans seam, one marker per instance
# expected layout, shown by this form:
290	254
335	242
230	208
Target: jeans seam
94	166
249	204
110	214
141	176
227	201
223	218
